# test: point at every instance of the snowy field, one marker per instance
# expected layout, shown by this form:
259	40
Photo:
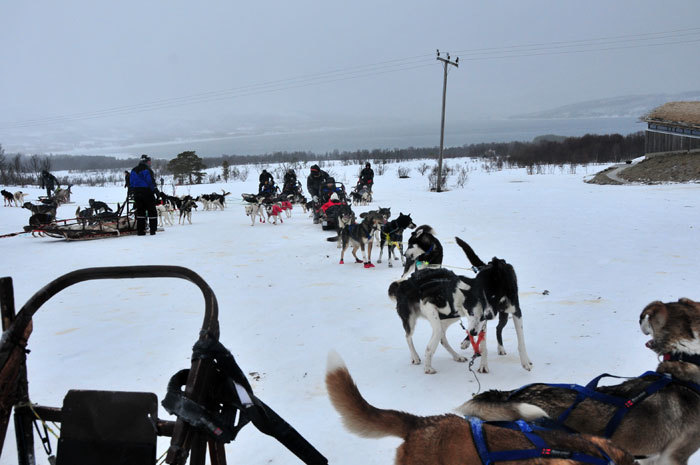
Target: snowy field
602	252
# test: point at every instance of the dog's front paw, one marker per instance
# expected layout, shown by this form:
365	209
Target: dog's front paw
390	265
430	371
527	366
379	261
465	344
460	359
483	369
415	361
501	350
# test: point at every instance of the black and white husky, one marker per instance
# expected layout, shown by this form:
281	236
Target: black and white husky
254	210
442	297
423	249
392	237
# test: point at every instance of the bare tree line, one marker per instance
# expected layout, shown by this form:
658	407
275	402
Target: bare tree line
19	169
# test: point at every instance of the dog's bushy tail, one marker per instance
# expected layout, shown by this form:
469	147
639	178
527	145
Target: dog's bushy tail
494	406
471	255
333	239
358	415
393	289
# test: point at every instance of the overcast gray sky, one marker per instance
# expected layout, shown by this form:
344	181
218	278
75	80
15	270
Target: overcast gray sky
90	72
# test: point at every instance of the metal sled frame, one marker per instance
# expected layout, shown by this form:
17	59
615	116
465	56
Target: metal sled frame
76	229
13	372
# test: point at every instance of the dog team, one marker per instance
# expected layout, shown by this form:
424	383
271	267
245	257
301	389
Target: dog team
653	419
167	207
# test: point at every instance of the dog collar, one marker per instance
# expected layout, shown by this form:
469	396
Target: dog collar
682	357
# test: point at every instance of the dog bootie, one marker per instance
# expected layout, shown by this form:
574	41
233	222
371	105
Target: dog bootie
357	260
342	262
369	265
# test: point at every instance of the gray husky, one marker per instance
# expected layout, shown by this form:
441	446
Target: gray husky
662	422
359	235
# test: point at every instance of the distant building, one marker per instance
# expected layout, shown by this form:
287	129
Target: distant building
673	127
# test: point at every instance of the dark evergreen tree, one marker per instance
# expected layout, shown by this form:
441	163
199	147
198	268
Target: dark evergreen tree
187	164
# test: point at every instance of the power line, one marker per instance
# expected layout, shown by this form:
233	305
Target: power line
565	52
383	67
641	36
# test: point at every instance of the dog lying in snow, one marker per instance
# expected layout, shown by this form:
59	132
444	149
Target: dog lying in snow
664	424
450	439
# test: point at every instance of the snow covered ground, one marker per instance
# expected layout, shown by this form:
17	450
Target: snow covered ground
602	252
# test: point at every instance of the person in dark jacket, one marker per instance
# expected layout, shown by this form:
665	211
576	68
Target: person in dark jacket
366	177
316	179
290	182
333	201
268	189
144	190
265	178
127	184
48	181
314	182
328	189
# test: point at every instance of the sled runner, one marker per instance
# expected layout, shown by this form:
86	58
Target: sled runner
107	224
212	400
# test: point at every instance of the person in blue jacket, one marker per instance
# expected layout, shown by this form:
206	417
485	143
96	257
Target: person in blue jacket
144	190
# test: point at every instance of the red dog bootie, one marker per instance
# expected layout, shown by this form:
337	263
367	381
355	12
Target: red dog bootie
369	265
341	262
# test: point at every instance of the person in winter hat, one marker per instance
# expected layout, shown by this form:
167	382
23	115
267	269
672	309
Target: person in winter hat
333	201
366	176
144	190
48	181
316	179
265	179
290	182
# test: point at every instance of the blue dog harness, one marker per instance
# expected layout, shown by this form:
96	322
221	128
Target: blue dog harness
353	226
623	404
541	448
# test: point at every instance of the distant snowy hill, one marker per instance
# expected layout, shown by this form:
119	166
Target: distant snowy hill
628	106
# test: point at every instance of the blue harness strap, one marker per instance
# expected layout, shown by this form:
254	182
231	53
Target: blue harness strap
541	449
623	404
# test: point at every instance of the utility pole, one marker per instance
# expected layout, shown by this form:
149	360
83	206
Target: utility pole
446	62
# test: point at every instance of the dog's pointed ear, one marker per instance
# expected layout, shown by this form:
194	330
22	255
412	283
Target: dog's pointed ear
471	256
656	313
